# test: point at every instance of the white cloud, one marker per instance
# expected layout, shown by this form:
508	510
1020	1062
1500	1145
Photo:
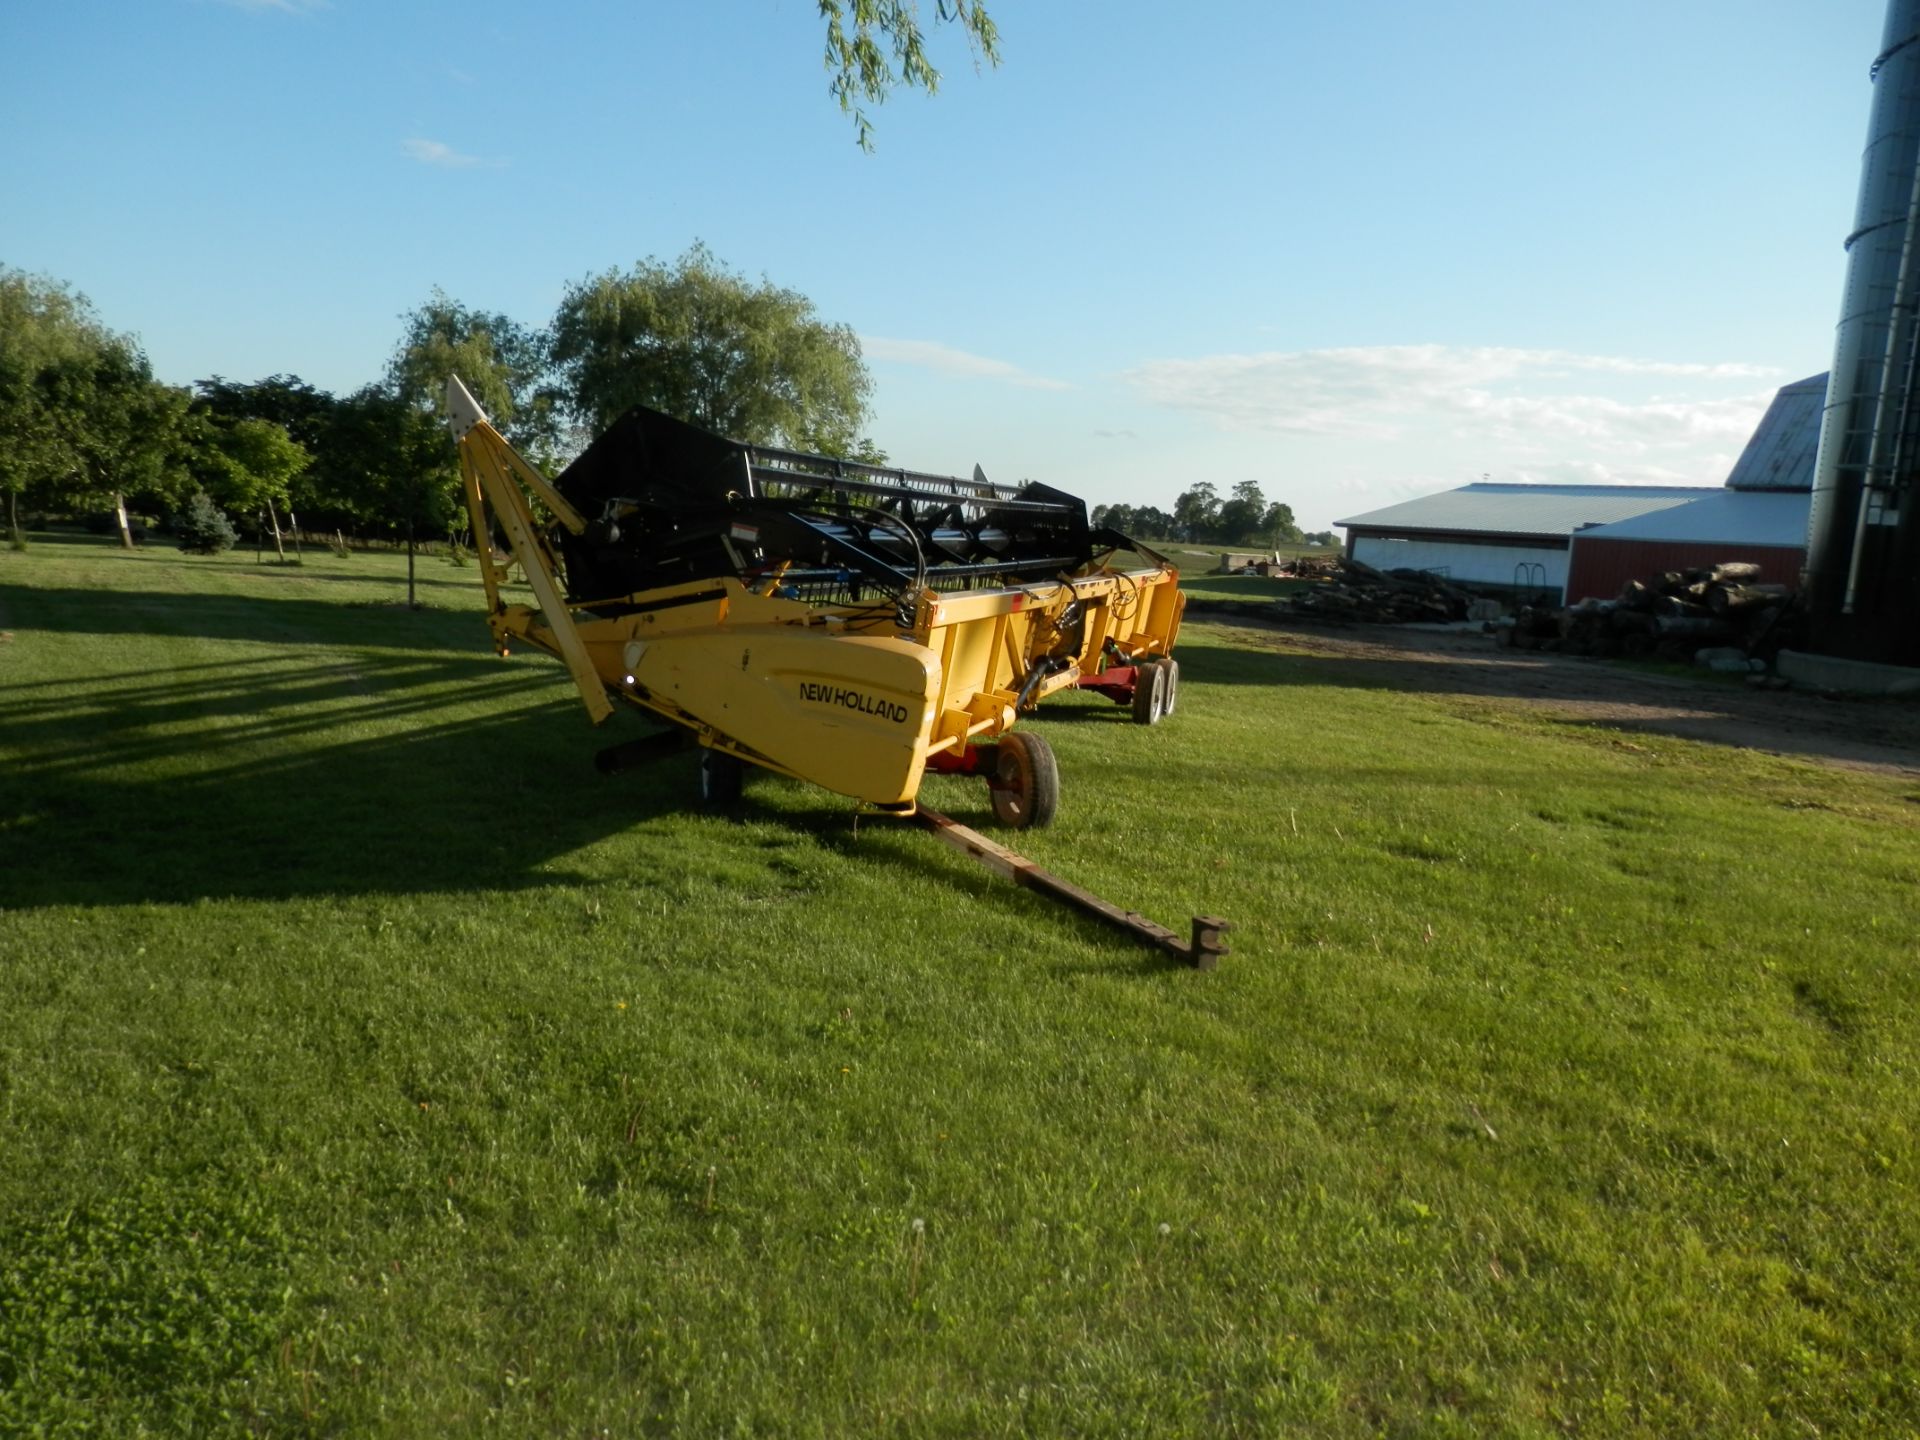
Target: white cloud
1598	417
1594	472
432	152
932	355
1522	399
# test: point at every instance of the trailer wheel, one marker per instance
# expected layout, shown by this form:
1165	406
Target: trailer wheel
1149	693
1026	784
1172	697
721	779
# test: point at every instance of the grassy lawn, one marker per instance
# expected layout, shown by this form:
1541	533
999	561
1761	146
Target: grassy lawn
1240	587
370	1066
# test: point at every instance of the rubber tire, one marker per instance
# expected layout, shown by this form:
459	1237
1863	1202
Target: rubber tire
1149	693
722	777
1171	699
1031	780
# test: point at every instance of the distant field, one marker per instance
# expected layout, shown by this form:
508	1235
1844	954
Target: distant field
370	1066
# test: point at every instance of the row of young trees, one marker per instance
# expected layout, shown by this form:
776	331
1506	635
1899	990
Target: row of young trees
1200	516
84	426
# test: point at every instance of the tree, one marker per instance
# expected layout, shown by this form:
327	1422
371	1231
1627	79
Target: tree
255	463
1278	526
866	70
202	529
130	433
48	338
1196	511
694	339
79	409
304	413
499	360
389	463
1239	520
287	400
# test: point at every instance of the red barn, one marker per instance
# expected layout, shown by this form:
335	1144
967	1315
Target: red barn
1760	517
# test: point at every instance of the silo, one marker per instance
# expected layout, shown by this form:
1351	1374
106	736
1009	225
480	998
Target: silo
1863	541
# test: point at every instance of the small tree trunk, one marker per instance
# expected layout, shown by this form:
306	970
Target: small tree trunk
259	538
13	515
274	520
412	604
120	513
293	528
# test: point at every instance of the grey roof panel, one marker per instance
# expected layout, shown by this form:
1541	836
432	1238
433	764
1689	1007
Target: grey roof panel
1781	452
1488	508
1725	517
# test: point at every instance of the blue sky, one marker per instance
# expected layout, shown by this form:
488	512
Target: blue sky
1355	253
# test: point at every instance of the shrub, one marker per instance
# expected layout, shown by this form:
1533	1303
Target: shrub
203	528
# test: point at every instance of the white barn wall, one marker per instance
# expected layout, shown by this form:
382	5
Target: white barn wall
1463	560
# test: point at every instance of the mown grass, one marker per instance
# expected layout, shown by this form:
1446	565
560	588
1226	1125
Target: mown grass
371	1066
1244	588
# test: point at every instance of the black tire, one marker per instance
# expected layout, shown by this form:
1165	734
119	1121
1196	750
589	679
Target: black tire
1171	697
1149	693
722	777
1026	790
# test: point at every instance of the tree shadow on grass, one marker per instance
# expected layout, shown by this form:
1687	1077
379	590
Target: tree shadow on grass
271	779
266	619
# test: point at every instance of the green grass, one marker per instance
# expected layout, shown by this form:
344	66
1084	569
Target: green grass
1240	587
371	1066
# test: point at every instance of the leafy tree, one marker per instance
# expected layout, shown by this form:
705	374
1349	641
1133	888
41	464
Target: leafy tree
874	46
388	463
1277	525
1196	512
499	360
287	400
130	434
203	528
254	464
1142	522
752	362
1239	521
48	337
303	412
82	416
258	462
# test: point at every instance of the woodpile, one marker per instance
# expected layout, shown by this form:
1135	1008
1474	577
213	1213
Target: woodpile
1302	567
1359	592
1722	611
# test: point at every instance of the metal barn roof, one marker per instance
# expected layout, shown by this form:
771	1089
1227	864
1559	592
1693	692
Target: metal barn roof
1491	508
1780	454
1724	517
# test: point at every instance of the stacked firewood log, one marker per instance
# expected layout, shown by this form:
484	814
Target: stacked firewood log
1360	592
1301	567
1673	616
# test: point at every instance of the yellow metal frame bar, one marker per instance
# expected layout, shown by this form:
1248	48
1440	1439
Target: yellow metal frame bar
488	466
